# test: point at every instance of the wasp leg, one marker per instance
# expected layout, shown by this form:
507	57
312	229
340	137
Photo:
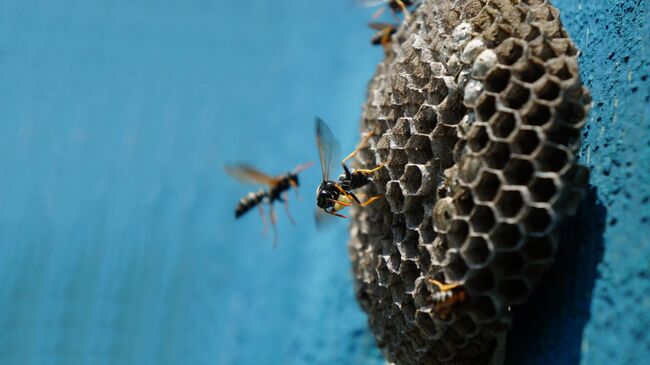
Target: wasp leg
336	214
371	200
286	209
273	224
443	287
347	195
356	149
264	223
405	10
368	172
340	202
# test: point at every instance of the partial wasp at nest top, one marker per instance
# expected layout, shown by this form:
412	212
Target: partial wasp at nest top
277	188
333	196
395	6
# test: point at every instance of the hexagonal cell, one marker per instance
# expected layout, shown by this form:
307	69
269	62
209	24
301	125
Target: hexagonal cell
418	149
414	213
482	219
425	120
539	248
518	171
572	114
469	168
508	264
396	163
487	187
436	91
424	322
412	179
382	271
497	80
401	132
564	136
456	268
506	236
526	142
542	189
478	138
554	158
538	220
443	213
510	51
513	291
497	155
484	309
510	203
409	272
476	252
563	68
395	197
408	309
538	114
530	71
503	124
465	326
480	281
485	107
458	232
516	95
549	90
408	248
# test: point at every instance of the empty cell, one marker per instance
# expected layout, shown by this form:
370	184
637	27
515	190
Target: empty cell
401	132
508	264
464	203
409	273
543	189
538	220
484	309
443	213
425	323
408	309
565	136
478	138
482	219
497	155
480	281
412	179
538	248
543	50
436	91
469	168
397	161
563	68
414	214
458	232
456	268
506	236
526	142
518	171
503	124
554	158
408	248
571	114
538	115
465	326
426	118
486	107
382	271
510	203
497	80
418	149
510	51
476	252
487	187
395	197
530	71
549	90
515	96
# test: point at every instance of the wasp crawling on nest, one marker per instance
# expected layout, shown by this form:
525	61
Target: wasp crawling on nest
333	196
277	191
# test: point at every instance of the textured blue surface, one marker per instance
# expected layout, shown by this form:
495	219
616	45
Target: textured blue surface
117	238
117	243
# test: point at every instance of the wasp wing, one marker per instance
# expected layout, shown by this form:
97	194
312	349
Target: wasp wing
380	26
372	3
328	147
248	174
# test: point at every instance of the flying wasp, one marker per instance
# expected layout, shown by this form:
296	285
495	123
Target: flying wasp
447	296
384	33
278	187
396	6
333	196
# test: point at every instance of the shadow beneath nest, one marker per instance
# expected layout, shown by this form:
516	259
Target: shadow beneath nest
548	329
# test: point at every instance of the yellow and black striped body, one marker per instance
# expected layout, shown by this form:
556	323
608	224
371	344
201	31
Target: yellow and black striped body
274	193
249	202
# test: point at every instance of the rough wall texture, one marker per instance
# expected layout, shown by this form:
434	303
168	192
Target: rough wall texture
564	296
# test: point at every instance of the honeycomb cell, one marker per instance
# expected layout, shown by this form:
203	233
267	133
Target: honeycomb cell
424	322
480	281
465	326
408	248
486	107
503	125
470	168
485	309
562	68
476	252
538	115
510	51
482	219
497	155
396	163
395	197
538	248
464	204
572	114
530	71
443	213
510	203
506	236
487	187
414	212
412	179
418	149
409	272
515	96
456	268
437	91
543	189
553	158
458	232
497	80
478	138
549	90
538	220
526	142
518	171
401	133
426	119
509	264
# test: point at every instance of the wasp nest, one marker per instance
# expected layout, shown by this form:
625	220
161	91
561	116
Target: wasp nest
476	111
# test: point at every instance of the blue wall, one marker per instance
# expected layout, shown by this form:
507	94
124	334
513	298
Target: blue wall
117	242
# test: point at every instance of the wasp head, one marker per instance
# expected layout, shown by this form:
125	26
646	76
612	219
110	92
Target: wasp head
326	194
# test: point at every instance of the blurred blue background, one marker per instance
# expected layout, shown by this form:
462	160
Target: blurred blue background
117	238
117	231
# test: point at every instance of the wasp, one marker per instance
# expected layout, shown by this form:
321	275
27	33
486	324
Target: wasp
396	6
447	296
333	196
278	187
384	32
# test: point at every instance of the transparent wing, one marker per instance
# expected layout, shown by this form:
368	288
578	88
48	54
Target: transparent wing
248	174
328	147
372	3
380	26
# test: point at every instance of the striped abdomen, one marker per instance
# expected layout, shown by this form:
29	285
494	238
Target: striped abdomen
249	202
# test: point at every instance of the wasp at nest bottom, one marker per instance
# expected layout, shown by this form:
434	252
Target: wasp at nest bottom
277	191
447	296
334	196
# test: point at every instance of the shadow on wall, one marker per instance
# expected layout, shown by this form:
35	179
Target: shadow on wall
548	329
